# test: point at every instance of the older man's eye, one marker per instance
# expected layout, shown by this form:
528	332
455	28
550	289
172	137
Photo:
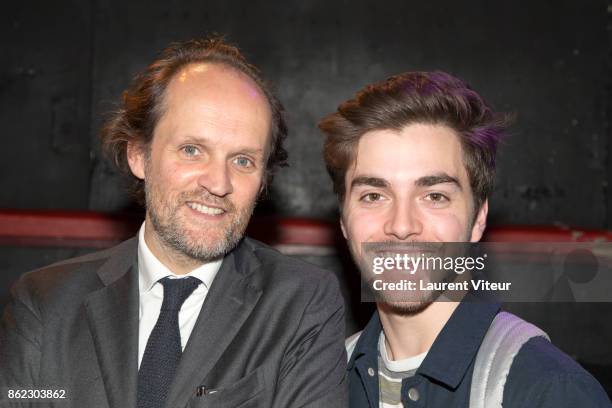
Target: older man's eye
190	150
243	162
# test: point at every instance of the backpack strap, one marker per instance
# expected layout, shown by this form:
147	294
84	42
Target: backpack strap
501	344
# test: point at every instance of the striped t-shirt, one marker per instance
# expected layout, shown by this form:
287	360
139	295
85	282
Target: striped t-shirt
391	373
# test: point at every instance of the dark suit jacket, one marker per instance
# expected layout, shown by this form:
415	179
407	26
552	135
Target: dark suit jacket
270	333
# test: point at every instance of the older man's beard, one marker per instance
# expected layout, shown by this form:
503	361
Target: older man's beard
175	236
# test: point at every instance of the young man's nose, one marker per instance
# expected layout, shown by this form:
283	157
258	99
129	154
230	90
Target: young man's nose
403	221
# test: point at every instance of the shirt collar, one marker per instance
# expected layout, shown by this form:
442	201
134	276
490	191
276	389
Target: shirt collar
455	347
151	270
398	366
368	341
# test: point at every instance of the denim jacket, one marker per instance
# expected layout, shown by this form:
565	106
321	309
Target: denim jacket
541	375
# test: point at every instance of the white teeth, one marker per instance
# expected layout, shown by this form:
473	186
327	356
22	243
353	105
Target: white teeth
204	209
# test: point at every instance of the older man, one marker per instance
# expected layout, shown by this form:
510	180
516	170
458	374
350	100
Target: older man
188	313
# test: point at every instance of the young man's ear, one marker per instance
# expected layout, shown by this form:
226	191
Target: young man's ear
480	223
136	159
342	227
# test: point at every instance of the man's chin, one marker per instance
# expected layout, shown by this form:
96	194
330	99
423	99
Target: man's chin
404	308
210	245
405	302
198	243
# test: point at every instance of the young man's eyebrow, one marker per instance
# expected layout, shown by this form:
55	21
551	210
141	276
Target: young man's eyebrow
369	181
441	178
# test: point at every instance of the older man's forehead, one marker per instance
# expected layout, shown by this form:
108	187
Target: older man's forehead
216	75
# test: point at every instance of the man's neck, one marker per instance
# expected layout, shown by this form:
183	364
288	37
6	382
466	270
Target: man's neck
410	335
176	262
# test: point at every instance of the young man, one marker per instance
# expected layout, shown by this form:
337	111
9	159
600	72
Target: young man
412	159
188	313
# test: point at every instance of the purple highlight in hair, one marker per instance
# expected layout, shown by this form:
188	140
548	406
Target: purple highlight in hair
418	97
486	137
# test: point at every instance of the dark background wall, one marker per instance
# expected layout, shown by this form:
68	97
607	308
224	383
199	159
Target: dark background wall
64	64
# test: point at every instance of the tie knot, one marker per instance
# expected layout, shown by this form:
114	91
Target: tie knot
176	291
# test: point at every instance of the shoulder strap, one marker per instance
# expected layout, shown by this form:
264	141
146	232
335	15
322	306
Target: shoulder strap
501	344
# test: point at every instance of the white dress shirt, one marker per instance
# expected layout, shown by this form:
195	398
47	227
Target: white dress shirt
150	271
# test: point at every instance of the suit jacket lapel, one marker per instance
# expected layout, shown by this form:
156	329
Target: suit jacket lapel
113	320
228	304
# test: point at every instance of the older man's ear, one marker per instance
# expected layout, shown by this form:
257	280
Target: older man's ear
136	159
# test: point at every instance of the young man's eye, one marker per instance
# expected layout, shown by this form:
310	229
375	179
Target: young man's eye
371	197
437	198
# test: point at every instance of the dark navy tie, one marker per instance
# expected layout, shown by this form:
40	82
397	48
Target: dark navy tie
163	351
